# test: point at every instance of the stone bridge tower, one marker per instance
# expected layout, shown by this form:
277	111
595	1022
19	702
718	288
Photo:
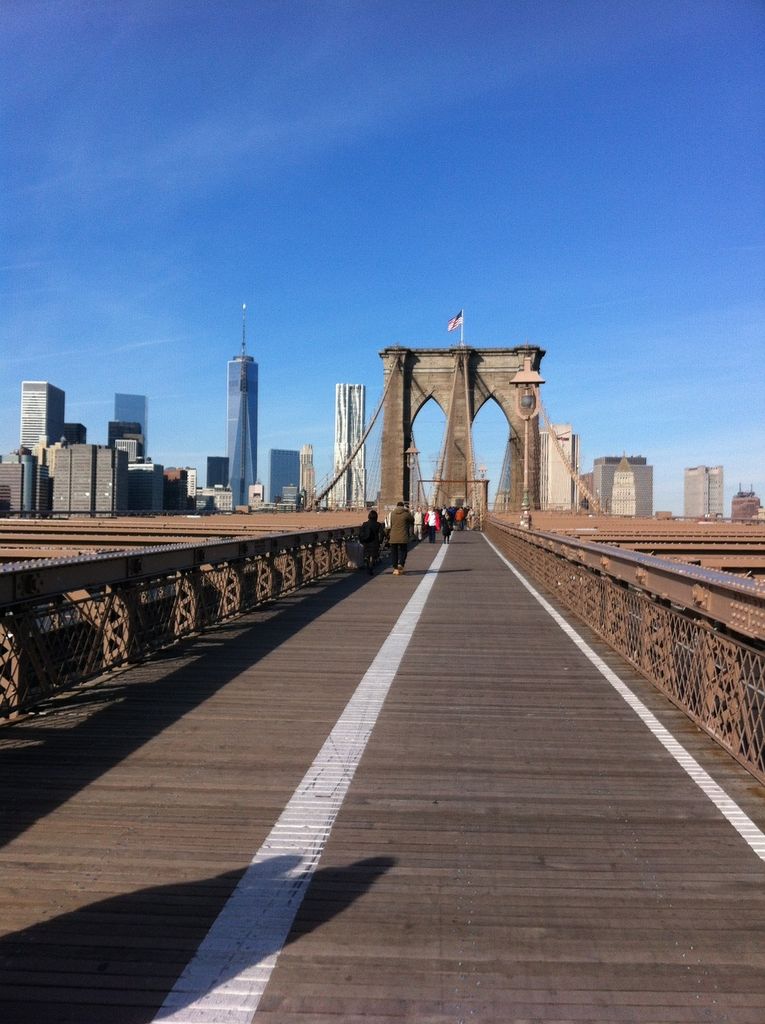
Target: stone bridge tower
460	380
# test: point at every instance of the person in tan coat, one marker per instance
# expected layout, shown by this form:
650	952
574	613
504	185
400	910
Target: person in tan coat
401	525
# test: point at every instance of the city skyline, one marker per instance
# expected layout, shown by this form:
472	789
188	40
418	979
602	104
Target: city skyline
589	182
349	407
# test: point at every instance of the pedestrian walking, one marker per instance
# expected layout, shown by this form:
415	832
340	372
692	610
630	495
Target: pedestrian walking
446	528
432	523
371	535
401	526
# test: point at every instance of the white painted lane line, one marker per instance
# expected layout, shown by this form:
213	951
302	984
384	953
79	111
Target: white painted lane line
743	824
224	981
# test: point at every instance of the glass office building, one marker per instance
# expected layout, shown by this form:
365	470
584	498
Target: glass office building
217	471
242	426
284	472
134	409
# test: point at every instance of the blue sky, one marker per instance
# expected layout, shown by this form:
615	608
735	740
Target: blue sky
584	176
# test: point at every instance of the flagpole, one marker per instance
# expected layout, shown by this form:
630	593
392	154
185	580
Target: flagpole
462	326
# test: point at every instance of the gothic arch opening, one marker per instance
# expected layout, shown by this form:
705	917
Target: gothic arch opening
491	433
428	429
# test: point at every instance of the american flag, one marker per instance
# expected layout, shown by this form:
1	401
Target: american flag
455	322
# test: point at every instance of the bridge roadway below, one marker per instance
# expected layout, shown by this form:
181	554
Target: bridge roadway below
515	844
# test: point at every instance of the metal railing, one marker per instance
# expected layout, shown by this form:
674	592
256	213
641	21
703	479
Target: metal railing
63	621
696	634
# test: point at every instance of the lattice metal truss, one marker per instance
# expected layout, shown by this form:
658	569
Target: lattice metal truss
714	675
59	639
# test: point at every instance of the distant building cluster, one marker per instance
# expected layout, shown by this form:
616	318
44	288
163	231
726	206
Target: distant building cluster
55	470
623	485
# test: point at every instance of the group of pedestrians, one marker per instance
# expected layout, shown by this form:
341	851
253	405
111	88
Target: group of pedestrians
398	529
401	525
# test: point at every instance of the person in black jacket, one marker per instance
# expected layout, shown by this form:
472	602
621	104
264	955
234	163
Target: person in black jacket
446	526
371	536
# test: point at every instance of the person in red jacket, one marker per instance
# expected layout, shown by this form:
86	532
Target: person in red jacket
433	523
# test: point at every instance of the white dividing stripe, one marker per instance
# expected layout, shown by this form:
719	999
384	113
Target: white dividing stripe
224	981
742	823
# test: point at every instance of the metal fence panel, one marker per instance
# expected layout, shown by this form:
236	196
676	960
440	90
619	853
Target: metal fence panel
716	677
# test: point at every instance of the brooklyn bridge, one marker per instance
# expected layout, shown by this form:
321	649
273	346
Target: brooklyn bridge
523	781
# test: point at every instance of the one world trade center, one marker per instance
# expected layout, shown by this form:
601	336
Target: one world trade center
242	423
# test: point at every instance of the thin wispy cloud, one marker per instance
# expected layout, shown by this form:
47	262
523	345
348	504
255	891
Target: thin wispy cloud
21	265
83	350
313	93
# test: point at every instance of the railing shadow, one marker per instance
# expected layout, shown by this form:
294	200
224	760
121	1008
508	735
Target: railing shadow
58	759
117	959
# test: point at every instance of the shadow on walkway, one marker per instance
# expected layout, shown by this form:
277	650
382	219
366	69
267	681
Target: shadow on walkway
48	758
113	962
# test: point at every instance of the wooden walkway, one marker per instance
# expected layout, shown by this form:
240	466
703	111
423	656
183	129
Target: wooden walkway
515	846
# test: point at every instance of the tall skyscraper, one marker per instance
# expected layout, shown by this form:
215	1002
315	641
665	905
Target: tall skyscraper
603	474
703	492
134	409
350	489
307	471
242	422
284	471
557	488
42	412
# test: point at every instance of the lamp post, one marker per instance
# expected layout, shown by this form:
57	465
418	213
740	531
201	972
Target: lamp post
412	454
526	383
484	496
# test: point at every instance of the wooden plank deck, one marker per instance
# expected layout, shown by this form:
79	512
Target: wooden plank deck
515	845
